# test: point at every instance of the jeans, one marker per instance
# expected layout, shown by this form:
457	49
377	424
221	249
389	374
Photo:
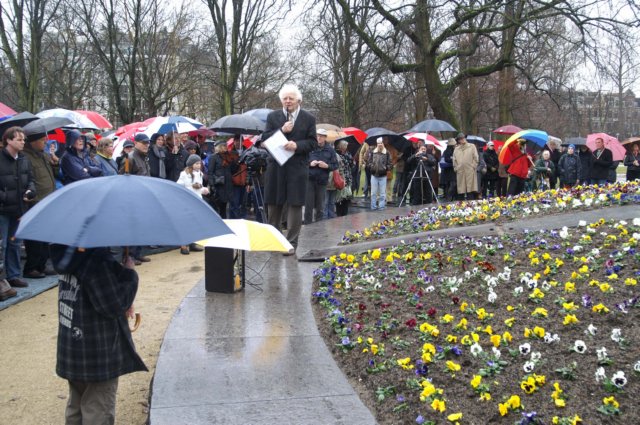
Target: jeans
10	246
237	205
330	209
379	191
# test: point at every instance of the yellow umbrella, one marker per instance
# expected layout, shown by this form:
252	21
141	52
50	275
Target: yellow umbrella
250	236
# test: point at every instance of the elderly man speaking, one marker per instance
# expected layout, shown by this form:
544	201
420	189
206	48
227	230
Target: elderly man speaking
287	184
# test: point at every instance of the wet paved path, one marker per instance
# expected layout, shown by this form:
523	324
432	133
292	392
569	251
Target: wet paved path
256	357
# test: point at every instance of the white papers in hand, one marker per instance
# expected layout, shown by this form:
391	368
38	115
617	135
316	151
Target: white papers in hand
275	145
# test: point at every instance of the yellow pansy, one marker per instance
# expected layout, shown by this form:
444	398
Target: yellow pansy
495	340
475	382
438	405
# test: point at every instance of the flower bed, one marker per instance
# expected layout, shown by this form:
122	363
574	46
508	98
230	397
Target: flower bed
539	327
530	204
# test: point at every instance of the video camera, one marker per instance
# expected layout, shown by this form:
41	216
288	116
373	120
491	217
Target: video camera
255	159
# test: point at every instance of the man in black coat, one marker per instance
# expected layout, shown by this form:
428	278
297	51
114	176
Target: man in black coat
321	162
17	189
602	161
287	184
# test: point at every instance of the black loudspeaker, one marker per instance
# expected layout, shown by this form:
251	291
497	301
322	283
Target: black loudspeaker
219	273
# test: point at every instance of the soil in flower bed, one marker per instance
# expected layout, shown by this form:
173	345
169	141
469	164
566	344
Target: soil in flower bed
506	329
501	210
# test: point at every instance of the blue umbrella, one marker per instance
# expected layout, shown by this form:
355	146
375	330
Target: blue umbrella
260	114
175	123
431	125
476	140
121	211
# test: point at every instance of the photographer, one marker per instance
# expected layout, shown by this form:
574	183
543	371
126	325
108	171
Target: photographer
256	161
422	163
17	189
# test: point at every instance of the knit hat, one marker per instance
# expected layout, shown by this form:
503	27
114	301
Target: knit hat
460	136
191	145
192	160
572	146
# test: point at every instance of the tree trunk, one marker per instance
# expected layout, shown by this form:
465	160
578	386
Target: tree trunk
439	99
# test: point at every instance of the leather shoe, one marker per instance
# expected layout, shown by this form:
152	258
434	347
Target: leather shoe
144	259
49	271
6	291
34	274
16	282
195	247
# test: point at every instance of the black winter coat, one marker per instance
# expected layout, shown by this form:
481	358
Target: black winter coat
326	154
94	292
569	168
601	165
491	160
288	183
220	178
12	189
586	161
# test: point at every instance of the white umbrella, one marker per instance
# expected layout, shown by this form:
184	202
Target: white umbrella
79	120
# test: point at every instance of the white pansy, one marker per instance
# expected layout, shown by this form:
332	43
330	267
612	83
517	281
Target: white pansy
475	349
430	288
636	221
518	290
528	367
591	329
600	374
536	356
492	297
602	354
616	334
564	233
618	379
496	352
524	348
588	202
582	223
579	346
636	366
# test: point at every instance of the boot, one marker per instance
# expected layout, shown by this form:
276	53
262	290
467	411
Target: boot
6	291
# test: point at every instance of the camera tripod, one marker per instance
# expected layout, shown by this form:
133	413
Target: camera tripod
258	198
419	175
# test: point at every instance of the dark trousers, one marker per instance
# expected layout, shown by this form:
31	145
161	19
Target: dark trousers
488	187
294	220
238	201
501	186
315	200
37	256
516	185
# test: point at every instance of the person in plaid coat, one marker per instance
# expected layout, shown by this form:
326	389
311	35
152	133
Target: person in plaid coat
95	347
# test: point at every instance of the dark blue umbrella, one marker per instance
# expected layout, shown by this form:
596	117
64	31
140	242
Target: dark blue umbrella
238	124
476	140
260	114
19	120
395	140
121	211
431	126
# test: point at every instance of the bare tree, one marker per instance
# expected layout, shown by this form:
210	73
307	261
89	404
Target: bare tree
238	26
22	28
114	30
434	28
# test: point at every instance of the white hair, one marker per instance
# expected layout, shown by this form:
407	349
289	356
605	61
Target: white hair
290	89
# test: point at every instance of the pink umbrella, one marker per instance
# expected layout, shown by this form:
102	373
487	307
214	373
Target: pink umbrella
96	118
247	142
5	111
610	143
507	129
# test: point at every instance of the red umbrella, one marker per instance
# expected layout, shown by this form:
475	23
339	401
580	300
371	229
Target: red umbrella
5	111
247	142
130	130
96	118
202	131
610	143
427	139
355	132
507	129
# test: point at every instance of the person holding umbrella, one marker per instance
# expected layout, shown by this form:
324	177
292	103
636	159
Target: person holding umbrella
96	294
287	183
602	161
518	170
17	190
321	162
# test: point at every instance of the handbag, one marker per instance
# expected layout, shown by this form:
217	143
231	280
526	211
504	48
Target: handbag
444	164
338	181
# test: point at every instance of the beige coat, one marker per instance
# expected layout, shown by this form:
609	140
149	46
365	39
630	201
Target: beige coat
465	163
